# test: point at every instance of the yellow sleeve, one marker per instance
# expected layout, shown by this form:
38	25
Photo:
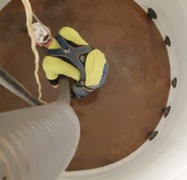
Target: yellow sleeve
54	67
72	35
48	68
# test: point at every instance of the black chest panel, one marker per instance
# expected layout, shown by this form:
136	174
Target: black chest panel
72	53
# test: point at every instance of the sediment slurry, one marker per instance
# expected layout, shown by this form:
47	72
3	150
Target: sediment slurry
117	118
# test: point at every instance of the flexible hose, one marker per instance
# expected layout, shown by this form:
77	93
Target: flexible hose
29	19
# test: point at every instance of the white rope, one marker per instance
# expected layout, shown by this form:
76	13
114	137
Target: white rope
29	19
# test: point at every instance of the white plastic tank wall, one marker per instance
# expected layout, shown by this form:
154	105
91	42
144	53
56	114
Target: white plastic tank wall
165	157
3	3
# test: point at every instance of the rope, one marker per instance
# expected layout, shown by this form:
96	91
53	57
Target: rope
29	19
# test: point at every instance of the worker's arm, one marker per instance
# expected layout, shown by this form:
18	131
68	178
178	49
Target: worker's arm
51	75
72	35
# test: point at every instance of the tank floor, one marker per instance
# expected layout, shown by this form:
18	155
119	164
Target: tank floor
117	118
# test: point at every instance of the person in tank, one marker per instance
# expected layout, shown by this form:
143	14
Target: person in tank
71	56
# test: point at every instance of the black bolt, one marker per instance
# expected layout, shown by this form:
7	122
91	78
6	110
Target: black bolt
167	41
151	14
166	111
152	135
174	82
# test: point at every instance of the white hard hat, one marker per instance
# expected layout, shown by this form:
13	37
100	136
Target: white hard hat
41	32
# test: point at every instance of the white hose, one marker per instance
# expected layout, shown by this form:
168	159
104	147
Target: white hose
29	19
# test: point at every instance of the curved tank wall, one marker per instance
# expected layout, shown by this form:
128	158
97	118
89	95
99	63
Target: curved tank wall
165	156
3	3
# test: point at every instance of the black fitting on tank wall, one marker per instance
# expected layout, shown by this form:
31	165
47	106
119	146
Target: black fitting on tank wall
151	13
152	135
167	41
174	82
166	111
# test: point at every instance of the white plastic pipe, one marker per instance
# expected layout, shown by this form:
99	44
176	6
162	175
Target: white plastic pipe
38	143
165	157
